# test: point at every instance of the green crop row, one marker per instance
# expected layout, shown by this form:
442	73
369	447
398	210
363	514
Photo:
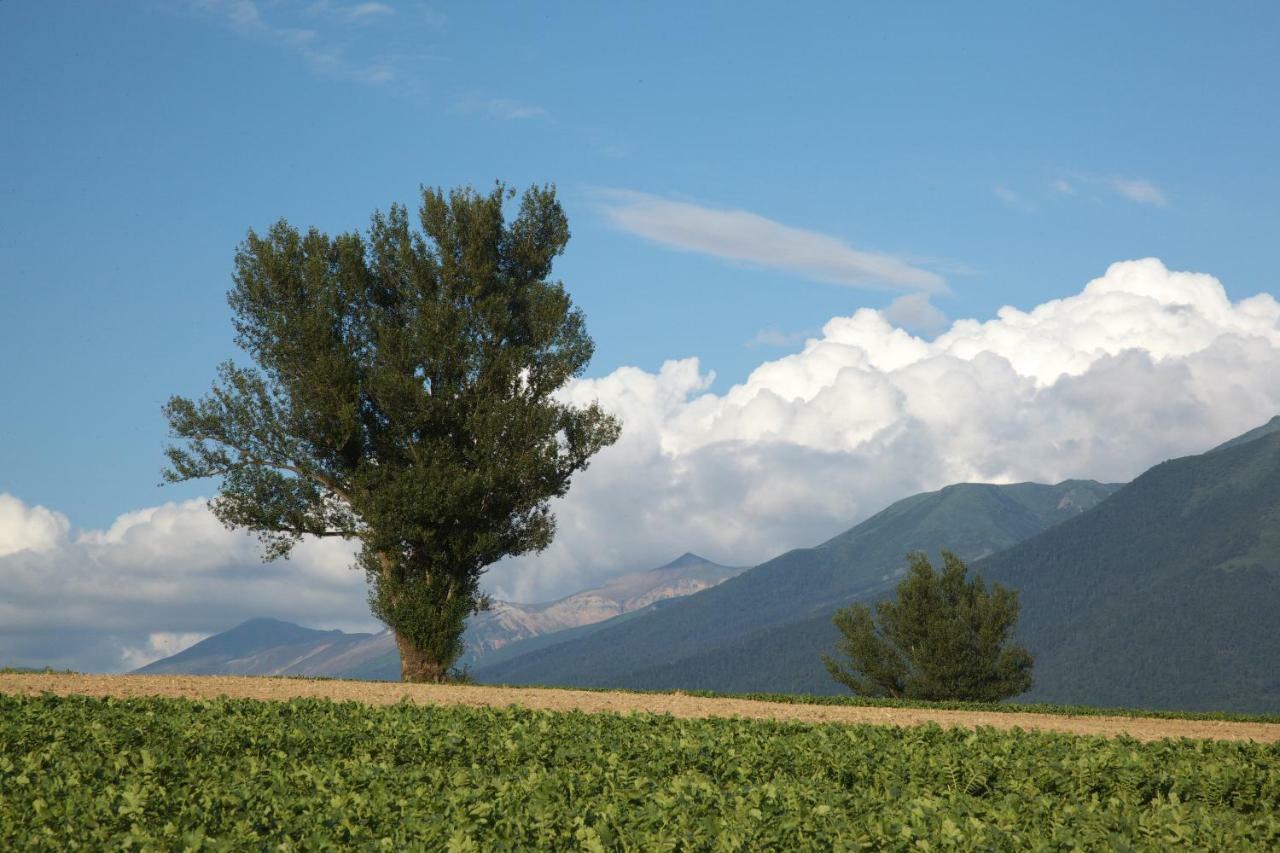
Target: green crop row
234	774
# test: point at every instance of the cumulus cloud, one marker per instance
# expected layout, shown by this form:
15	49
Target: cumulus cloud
745	237
24	528
1142	365
152	581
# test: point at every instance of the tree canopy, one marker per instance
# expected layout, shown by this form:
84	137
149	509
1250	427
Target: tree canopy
942	637
402	394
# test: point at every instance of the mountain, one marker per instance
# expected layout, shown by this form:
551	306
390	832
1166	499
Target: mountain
684	643
1166	595
507	623
272	647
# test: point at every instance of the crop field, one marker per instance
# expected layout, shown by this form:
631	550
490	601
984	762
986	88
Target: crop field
82	772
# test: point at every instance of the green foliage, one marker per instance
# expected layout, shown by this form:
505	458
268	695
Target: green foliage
79	773
1165	595
402	396
943	637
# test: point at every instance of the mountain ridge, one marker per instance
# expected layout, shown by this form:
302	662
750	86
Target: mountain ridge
974	519
1167	594
1163	595
265	646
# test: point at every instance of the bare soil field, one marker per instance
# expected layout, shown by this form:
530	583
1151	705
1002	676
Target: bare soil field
385	693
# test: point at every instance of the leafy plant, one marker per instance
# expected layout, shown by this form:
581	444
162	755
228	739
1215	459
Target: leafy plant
81	773
943	637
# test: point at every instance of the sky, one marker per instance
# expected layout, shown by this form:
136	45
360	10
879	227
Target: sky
830	255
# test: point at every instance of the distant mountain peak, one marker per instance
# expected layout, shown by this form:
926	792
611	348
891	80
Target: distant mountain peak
267	623
265	620
688	558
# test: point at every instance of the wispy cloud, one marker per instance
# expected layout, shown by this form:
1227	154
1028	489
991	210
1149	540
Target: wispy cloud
1138	190
321	55
365	11
500	108
749	238
1010	197
778	338
350	13
914	312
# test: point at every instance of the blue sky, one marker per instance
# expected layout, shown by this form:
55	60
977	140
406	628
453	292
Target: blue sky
143	139
795	231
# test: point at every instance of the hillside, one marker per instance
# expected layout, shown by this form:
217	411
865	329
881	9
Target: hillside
1163	596
272	647
973	519
1167	594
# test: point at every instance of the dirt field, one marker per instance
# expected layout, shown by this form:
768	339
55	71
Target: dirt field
382	693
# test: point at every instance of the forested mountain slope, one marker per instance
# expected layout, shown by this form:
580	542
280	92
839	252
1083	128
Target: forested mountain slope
1167	594
972	519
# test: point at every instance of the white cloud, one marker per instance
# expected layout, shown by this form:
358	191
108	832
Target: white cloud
353	13
161	644
24	528
104	598
1138	190
914	312
501	108
1009	197
1142	365
745	237
318	51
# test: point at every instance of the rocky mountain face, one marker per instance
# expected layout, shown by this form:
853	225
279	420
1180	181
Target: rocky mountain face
507	623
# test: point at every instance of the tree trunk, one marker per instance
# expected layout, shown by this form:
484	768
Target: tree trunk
415	664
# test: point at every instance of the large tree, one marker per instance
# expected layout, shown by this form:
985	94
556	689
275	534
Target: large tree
403	396
943	637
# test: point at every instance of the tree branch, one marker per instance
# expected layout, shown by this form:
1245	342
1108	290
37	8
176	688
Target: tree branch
251	461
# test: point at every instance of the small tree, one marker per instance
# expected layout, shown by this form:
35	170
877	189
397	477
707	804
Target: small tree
403	397
942	638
